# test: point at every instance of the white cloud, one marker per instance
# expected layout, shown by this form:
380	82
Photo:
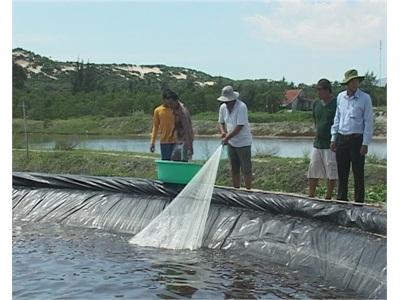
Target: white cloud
322	25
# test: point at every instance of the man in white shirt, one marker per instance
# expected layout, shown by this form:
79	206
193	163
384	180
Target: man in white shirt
352	132
235	132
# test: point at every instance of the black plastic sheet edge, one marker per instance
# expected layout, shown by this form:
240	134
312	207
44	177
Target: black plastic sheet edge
367	218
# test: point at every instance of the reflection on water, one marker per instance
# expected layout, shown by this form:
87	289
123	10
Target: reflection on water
52	261
203	147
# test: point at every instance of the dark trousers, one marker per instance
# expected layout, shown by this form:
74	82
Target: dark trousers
348	151
166	150
240	158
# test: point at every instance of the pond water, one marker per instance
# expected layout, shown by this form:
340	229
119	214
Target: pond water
203	147
51	261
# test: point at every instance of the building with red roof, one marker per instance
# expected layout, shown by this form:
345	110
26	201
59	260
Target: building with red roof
296	100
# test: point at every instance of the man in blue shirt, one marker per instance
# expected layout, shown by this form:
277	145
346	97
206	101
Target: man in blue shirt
351	132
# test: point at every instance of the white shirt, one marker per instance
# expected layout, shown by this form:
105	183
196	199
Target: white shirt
354	115
238	116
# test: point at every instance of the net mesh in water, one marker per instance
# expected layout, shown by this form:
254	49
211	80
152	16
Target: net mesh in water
181	225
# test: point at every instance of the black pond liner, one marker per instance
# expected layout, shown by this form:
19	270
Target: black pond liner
343	243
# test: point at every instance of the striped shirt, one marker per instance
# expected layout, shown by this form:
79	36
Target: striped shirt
183	126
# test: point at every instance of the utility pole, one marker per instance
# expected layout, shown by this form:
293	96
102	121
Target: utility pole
26	133
380	62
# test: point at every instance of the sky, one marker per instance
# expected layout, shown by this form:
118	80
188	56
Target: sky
302	41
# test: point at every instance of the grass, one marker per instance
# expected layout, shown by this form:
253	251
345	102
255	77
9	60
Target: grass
135	124
270	173
85	162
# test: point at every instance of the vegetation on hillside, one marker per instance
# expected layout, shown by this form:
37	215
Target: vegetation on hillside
61	90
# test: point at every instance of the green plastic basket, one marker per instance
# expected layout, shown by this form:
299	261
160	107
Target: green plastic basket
176	171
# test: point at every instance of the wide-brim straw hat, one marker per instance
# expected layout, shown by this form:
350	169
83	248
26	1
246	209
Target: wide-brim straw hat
350	75
228	94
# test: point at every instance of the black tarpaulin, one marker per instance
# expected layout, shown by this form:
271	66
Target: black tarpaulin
344	243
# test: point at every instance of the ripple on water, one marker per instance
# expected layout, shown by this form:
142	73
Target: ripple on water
54	261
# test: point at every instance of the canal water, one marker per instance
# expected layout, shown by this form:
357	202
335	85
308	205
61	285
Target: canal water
52	261
203	147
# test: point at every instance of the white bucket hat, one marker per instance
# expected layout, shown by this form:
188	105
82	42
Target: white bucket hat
228	94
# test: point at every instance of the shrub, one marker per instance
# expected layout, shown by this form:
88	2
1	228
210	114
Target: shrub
263	117
67	144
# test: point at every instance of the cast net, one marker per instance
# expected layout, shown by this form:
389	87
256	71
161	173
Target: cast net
181	225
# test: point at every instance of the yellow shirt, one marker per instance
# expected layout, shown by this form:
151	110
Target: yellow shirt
164	123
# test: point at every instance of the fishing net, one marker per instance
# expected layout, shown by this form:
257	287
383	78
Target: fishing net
181	225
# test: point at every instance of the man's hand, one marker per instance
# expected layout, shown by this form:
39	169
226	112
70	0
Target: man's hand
333	146
152	148
364	150
224	139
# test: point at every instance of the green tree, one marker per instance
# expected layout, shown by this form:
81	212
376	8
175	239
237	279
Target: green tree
86	78
273	99
18	76
377	93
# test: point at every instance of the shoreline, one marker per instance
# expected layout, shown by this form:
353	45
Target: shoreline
201	136
299	137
